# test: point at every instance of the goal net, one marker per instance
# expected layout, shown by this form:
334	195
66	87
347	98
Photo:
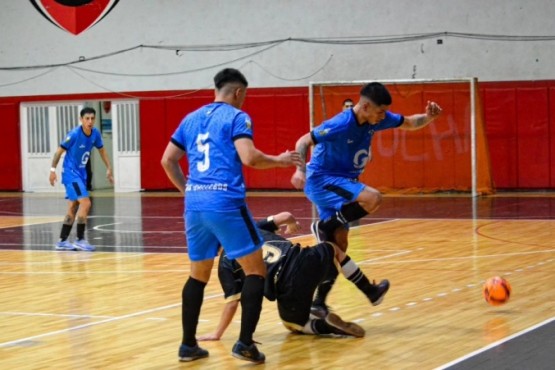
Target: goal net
449	155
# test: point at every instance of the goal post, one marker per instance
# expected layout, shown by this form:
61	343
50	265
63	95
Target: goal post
449	155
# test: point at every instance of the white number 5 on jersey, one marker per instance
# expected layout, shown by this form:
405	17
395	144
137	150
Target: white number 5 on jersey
204	148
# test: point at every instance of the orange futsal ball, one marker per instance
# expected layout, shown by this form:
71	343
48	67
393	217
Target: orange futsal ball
497	291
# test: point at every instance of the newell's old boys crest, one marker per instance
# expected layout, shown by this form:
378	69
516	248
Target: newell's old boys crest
74	16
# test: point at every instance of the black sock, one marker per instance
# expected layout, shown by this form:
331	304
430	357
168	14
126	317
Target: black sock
80	231
325	286
192	296
251	305
351	212
66	229
354	274
348	213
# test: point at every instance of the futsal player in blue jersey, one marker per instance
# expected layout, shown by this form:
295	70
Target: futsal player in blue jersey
78	145
342	148
217	139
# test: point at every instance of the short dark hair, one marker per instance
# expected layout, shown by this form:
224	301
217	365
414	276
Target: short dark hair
376	92
87	110
229	75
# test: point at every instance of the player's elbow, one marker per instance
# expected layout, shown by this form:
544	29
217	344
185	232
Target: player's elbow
166	162
252	163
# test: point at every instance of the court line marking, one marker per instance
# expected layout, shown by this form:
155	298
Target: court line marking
468	257
78	327
96	245
84	258
495	344
29	222
100	229
54	315
76	316
93	272
399	252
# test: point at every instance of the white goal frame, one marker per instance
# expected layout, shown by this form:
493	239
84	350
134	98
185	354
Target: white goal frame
472	81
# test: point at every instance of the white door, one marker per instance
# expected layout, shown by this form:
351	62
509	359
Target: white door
43	128
126	141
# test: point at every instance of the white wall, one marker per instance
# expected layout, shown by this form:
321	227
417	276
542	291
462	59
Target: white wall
27	39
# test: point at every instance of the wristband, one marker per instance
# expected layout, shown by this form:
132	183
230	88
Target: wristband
52	169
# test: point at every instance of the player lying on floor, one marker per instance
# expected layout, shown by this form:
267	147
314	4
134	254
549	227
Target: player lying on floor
293	273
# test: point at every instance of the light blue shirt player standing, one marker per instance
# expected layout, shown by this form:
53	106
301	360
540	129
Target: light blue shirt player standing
77	145
217	140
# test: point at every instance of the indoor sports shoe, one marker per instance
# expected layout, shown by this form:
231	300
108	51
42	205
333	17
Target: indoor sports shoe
344	328
83	245
319	311
317	231
379	294
187	353
64	246
247	353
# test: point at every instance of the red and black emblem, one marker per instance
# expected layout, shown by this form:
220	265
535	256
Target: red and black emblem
74	16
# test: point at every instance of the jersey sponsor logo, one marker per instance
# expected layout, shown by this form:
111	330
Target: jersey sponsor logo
74	16
85	158
360	159
206	187
270	254
349	141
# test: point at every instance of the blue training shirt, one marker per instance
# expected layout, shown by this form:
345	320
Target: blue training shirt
207	135
343	147
78	148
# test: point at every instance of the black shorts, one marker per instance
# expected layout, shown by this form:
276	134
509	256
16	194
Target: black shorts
297	283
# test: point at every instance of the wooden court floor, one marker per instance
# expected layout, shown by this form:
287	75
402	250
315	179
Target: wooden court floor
119	307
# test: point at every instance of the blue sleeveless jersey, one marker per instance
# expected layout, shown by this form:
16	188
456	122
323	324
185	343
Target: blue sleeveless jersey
343	147
78	148
207	135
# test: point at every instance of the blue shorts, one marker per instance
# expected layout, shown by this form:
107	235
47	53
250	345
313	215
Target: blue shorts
234	230
329	193
76	189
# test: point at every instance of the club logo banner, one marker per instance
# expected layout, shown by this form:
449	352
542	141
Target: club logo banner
74	16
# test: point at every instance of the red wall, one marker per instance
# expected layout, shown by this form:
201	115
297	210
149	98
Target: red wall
10	149
520	126
519	117
279	117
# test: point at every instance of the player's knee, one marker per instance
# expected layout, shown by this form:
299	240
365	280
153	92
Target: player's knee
69	218
253	264
370	200
85	204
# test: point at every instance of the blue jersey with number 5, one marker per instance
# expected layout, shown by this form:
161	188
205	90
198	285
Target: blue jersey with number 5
207	135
